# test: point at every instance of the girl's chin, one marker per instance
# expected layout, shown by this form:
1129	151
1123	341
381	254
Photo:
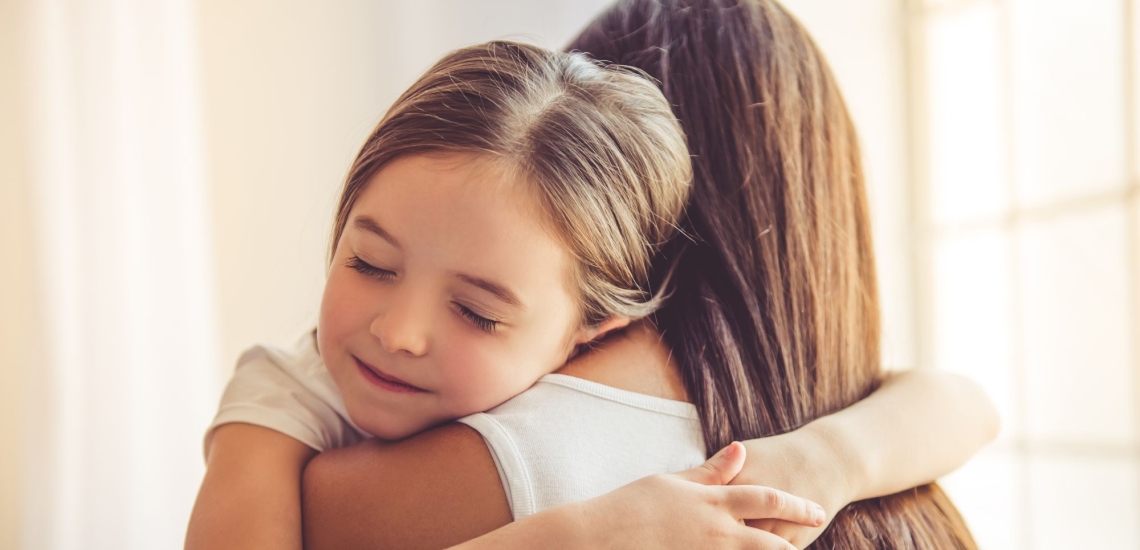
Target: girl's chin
383	423
389	432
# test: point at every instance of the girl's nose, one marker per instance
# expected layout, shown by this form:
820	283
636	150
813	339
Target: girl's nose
402	327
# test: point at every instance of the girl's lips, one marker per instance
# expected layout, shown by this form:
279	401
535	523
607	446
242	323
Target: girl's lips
378	378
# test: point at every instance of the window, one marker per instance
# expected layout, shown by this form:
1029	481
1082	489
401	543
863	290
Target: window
1027	206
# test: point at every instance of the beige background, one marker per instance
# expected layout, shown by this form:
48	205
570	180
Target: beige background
17	311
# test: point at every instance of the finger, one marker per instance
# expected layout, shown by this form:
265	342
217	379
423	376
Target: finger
718	470
751	502
755	539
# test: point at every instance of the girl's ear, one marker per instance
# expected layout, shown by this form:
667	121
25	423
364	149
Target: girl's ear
589	334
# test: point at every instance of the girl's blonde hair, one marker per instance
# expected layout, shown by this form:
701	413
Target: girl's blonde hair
600	145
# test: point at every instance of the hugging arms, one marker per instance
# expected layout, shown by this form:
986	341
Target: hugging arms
441	488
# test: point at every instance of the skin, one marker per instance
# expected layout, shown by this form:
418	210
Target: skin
402	298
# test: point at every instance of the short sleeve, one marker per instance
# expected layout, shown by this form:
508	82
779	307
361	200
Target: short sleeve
288	391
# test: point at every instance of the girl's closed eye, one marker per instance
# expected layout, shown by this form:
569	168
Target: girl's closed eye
482	323
365	268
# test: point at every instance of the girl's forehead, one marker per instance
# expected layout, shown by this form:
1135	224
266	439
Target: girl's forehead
462	185
462	173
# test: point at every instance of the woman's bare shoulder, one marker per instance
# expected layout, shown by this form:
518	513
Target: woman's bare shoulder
635	360
432	490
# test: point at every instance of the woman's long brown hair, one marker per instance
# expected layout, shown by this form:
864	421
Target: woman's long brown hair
774	317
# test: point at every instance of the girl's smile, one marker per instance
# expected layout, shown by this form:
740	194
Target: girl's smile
383	380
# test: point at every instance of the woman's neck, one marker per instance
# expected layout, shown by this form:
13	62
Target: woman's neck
634	359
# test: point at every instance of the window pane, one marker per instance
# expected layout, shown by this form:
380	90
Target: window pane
1068	106
967	134
987	490
1083	503
1076	323
973	314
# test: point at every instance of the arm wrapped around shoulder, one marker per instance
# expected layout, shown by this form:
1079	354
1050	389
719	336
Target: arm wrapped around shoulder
433	490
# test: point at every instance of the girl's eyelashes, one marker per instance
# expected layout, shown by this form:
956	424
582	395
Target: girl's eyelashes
482	323
365	268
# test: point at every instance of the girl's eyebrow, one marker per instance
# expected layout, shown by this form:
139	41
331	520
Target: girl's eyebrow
364	223
500	291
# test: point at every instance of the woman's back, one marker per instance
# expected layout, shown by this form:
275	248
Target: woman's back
569	439
774	318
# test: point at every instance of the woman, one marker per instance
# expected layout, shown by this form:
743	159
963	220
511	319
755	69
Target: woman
793	315
773	324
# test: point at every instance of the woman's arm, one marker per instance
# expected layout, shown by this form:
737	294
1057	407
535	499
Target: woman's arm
689	509
917	426
251	495
440	488
433	490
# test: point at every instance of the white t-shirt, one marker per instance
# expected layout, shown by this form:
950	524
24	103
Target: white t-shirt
563	440
289	391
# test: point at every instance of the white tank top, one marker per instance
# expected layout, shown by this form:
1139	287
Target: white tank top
563	440
567	439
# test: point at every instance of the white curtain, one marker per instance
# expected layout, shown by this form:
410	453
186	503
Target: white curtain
128	373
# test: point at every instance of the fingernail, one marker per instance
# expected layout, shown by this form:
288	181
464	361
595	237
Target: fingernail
819	515
730	450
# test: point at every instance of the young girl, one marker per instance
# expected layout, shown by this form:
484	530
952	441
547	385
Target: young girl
502	215
773	321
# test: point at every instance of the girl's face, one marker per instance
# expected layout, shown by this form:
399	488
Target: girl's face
446	296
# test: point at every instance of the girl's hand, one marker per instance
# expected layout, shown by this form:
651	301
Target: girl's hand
696	509
801	462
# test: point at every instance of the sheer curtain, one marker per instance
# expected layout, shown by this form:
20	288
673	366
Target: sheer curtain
123	267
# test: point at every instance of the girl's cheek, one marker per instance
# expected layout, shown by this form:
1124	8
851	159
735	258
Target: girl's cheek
338	308
479	380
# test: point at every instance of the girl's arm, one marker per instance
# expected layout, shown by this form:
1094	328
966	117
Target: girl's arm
443	484
251	495
918	426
